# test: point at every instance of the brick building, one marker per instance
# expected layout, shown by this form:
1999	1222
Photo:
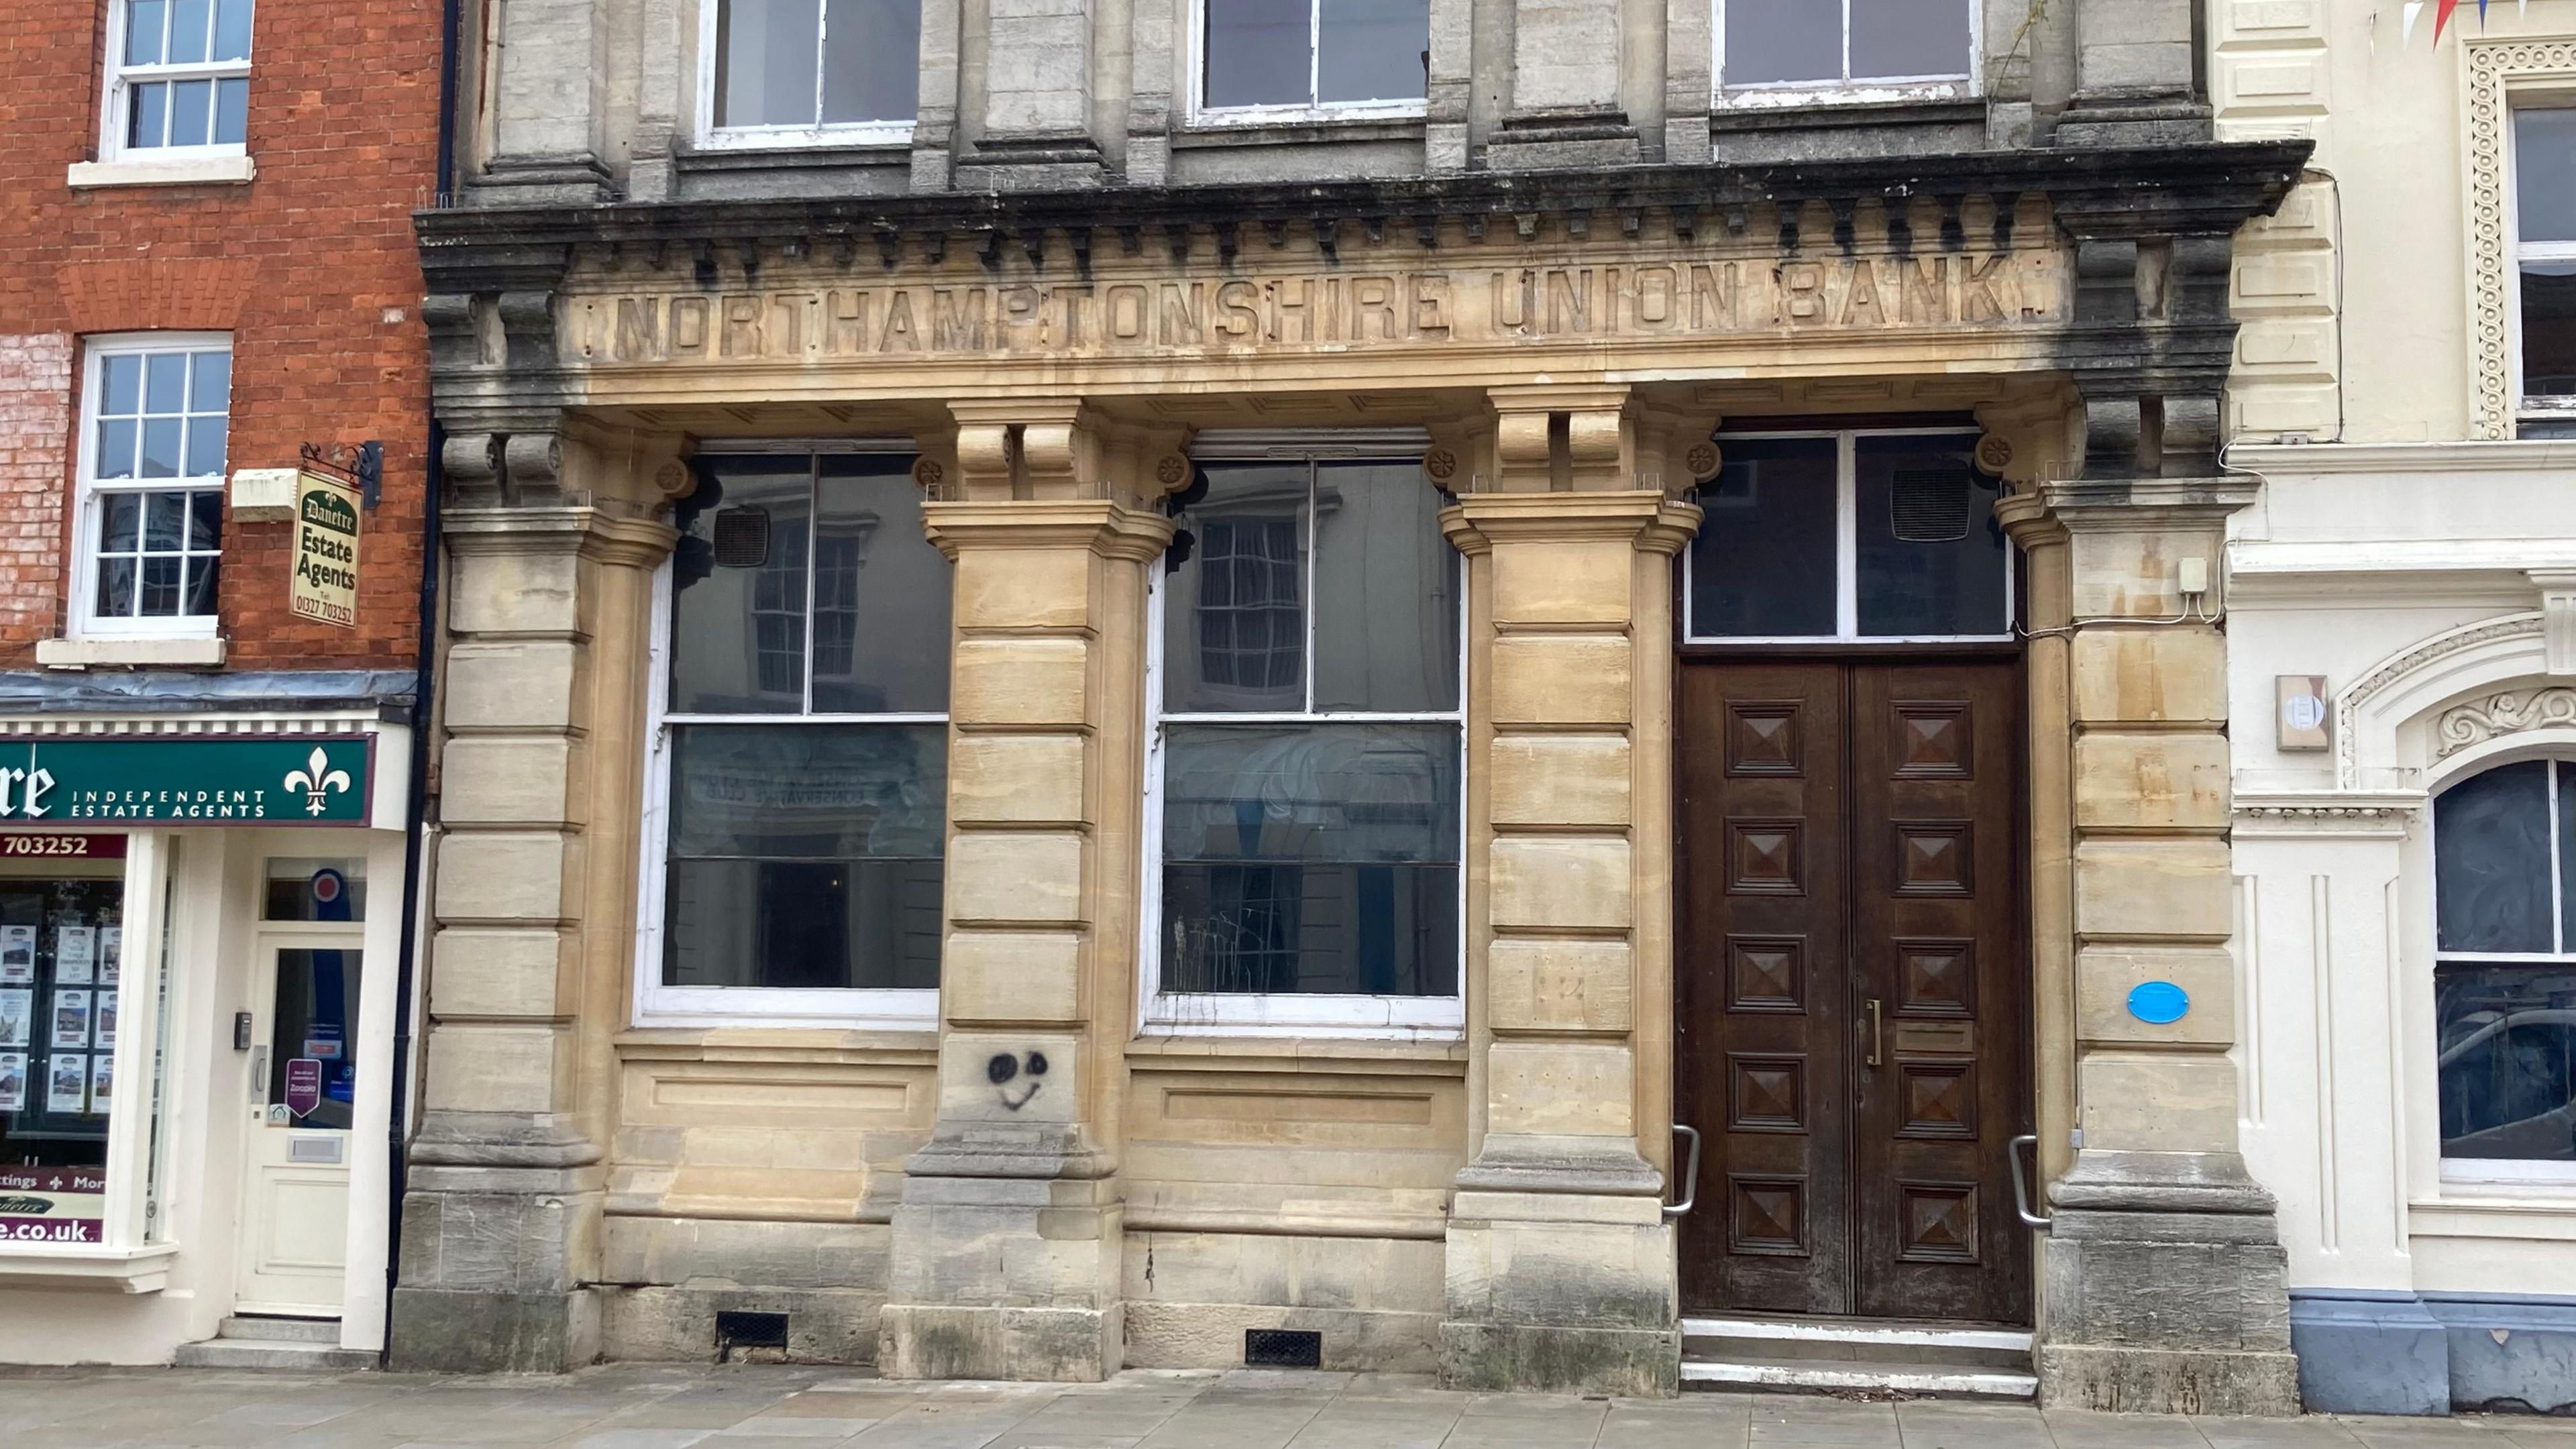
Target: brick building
206	266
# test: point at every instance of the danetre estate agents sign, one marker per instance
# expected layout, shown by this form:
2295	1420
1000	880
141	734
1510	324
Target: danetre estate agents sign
273	780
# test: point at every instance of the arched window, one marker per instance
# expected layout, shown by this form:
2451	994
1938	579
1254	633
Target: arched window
2504	988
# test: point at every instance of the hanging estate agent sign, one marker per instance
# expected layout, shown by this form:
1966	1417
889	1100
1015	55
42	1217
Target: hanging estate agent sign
325	584
280	780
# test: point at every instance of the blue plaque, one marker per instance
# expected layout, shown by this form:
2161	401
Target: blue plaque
2158	1003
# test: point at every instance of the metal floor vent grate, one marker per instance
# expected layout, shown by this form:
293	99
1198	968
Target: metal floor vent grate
1282	1348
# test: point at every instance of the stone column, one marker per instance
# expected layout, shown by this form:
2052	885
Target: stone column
2137	77
1565	77
1561	1271
1036	132
548	620
545	101
1008	1242
2162	1283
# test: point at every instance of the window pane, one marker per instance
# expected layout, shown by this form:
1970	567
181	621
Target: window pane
144	20
162	516
210	387
161	447
120	522
1311	859
2508	1061
204	579
1386	592
1892	38
1931	556
165	382
160	588
806	856
122	375
232	30
150	115
189	20
232	111
765	62
205	447
1771	41
1373	50
881	593
115	588
738	584
315	888
1257	52
312	1016
116	438
2491	860
205	520
188	104
2544	160
1763	563
1234	617
871	60
2549	329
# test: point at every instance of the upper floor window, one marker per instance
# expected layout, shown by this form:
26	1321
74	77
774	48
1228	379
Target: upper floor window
151	497
1307	756
800	756
1782	52
788	70
182	75
2544	144
2504	984
1315	57
1876	535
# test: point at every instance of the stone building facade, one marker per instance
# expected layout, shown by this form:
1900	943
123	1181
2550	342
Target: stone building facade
1568	682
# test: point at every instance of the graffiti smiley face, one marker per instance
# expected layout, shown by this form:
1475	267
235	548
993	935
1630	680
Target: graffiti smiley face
1016	1079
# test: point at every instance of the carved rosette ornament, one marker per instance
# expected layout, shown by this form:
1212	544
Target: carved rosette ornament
2510	713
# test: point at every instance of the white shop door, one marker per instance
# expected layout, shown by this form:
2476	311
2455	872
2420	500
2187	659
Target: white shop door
295	1209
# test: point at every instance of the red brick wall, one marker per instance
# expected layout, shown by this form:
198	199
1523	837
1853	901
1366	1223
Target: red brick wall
310	266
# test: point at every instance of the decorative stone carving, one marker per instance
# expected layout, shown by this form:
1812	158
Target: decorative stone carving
2494	68
2348	705
2512	712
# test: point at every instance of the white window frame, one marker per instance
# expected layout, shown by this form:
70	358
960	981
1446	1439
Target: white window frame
657	1005
1201	110
1847	550
90	491
1847	91
2504	1169
2528	408
712	137
121	77
1349	1016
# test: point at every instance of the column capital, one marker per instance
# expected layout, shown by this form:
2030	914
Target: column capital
1059	448
1097	524
1645	517
593	533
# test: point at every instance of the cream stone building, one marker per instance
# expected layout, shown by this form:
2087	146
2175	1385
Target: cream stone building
1536	689
2398	659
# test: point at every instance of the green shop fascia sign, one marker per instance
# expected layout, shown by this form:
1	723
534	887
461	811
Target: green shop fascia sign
200	780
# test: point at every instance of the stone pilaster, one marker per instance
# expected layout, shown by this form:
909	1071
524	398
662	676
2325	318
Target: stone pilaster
2137	81
1037	125
545	99
2162	1282
1560	1262
1565	108
533	915
1008	1241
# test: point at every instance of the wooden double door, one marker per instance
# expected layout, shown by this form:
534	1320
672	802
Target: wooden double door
1852	1017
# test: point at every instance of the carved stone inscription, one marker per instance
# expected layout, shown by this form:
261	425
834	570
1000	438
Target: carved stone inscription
1624	300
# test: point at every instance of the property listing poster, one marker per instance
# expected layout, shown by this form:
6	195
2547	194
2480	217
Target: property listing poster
71	1021
52	1204
67	1083
17	955
13	1081
111	946
17	1016
75	955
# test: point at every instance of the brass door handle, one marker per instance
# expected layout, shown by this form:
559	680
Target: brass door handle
1877	1031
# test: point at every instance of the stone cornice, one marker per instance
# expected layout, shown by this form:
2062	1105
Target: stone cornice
1094	523
2204	189
2125	503
607	537
1653	522
2324	460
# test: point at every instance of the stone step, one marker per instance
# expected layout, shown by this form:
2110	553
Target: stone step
1944	1345
270	1353
1844	1376
281	1330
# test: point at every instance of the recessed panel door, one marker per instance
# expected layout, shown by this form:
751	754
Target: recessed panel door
293	1253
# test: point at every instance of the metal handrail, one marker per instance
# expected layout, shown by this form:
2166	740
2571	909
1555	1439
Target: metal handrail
2021	1181
1690	1178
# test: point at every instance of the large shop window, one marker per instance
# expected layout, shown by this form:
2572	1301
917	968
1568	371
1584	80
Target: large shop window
1790	52
2544	142
2504	988
153	420
1298	59
801	750
181	81
781	72
1307	754
1882	536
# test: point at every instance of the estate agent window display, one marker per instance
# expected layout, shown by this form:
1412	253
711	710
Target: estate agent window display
797	817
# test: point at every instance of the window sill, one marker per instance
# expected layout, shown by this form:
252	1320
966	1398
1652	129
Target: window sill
189	171
1435	1057
1296	130
189	651
1737	113
86	1267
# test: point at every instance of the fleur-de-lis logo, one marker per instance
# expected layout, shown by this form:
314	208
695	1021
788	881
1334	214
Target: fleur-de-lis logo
317	780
